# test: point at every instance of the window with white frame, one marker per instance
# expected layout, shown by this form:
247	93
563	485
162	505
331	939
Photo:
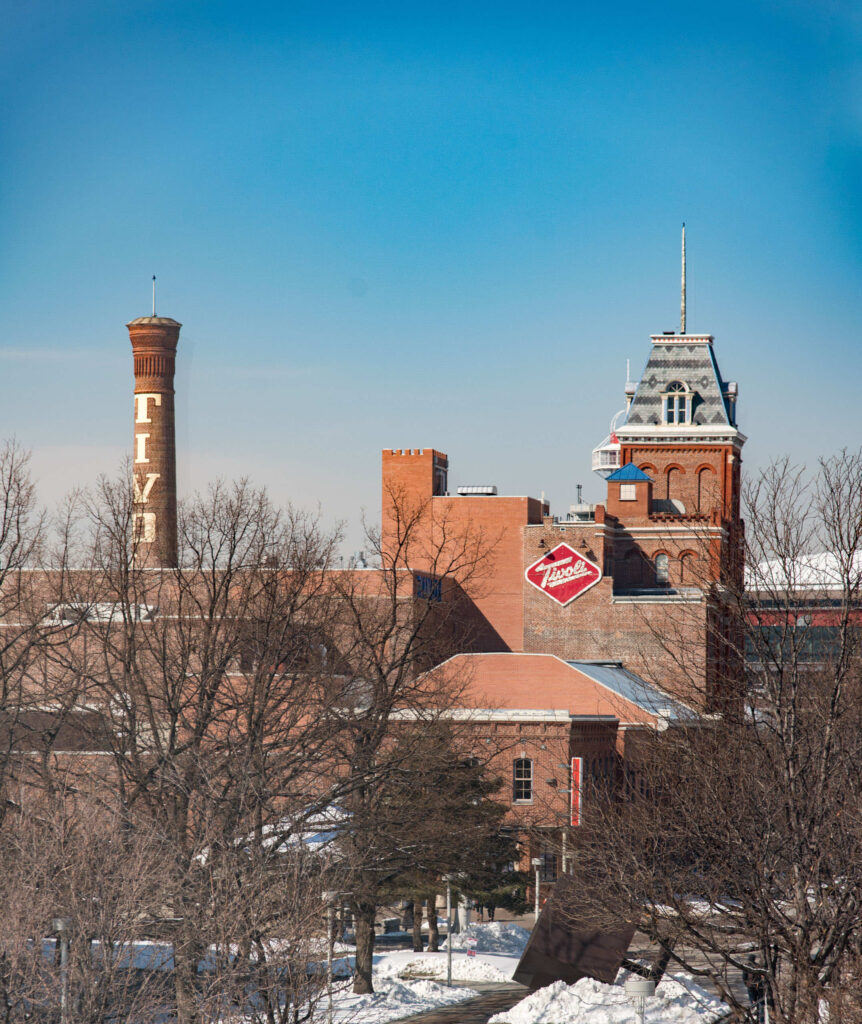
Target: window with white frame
628	492
522	780
676	402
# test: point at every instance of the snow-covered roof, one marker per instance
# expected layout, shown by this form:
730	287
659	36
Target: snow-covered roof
823	570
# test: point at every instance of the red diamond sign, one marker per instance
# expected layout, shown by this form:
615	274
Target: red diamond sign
563	574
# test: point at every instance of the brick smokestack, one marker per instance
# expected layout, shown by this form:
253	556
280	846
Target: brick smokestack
154	345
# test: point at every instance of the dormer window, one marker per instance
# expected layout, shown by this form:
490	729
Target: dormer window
676	401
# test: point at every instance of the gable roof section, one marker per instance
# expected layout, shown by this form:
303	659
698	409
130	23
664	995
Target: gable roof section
689	359
520	682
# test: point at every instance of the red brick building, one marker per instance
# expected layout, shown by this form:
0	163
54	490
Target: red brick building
658	548
592	617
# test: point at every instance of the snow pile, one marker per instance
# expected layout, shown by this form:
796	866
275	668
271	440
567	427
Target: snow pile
677	1000
406	965
392	1000
495	937
434	966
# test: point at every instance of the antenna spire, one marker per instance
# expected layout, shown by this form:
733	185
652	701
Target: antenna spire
154	294
682	303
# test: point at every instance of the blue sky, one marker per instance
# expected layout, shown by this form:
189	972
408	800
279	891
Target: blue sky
421	225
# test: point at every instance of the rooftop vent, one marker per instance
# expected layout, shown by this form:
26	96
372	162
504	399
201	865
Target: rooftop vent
581	513
485	489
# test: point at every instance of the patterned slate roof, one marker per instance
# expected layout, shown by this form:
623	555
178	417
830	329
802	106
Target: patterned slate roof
691	362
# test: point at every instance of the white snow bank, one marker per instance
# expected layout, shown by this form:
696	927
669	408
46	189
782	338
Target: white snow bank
677	1000
463	969
403	963
392	1000
494	937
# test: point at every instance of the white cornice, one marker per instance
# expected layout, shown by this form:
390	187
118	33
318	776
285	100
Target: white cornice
681	339
652	433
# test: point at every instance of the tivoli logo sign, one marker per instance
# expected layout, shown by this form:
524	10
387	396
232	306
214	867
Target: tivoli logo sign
563	574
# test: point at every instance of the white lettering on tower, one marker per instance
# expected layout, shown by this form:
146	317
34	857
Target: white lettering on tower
144	527
142	494
141	447
142	413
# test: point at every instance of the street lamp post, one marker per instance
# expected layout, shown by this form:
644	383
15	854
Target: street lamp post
638	989
329	896
537	865
62	926
448	880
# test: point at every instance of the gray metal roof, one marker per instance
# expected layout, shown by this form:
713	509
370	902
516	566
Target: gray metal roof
612	675
688	359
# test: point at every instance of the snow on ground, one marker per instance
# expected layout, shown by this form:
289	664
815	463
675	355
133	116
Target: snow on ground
498	946
406	965
406	982
391	1000
677	1000
493	937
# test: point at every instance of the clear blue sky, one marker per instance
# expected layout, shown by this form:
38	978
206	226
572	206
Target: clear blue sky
418	225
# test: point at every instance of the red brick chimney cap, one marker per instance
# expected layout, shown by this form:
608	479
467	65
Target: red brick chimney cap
155	321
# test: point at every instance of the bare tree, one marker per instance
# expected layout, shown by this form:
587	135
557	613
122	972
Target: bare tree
209	679
239	698
740	835
407	784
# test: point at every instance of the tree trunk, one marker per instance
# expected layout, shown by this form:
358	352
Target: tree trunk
433	933
185	974
417	926
365	914
407	917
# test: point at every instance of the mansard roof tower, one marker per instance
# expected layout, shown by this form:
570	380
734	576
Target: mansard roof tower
680	429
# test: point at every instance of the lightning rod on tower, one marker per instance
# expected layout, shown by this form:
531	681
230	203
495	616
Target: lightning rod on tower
682	304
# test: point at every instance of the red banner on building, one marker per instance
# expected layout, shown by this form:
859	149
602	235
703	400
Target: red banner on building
563	574
577	779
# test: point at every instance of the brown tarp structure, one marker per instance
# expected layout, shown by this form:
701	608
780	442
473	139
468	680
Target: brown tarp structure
559	950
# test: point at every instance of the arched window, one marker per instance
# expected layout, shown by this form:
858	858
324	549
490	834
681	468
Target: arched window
629	569
673	482
705	489
522	780
687	572
661	568
676	403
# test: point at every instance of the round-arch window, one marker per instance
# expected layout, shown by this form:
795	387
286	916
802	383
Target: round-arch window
676	403
661	568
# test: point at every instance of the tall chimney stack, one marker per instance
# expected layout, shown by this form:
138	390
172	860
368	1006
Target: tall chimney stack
154	345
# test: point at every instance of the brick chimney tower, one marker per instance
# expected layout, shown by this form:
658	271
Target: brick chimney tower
154	345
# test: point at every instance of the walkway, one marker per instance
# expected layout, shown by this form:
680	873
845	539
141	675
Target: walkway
494	999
